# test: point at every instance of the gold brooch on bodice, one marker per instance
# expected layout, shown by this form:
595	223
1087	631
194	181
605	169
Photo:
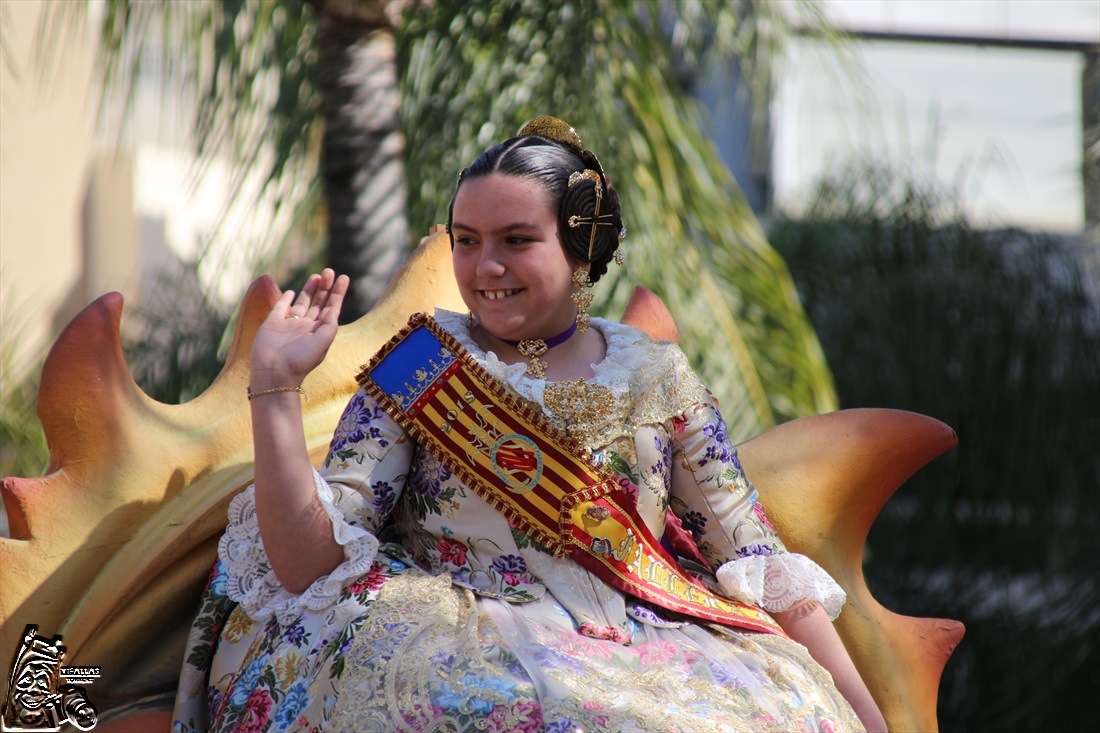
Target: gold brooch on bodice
580	406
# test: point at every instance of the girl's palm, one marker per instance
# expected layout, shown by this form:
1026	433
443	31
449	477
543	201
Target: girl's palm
297	333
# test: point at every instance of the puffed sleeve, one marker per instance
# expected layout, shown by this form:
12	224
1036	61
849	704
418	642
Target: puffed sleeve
358	486
719	506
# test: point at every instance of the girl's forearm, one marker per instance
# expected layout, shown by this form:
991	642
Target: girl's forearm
808	624
295	529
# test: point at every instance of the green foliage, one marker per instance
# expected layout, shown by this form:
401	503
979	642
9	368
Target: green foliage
173	338
23	450
472	75
991	332
249	66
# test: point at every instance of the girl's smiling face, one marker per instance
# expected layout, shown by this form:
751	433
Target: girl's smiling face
511	269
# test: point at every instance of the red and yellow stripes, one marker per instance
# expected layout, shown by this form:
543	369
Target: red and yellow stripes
530	472
464	420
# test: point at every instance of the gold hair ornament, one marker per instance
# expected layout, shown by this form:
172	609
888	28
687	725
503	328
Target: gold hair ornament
586	175
575	221
564	133
554	129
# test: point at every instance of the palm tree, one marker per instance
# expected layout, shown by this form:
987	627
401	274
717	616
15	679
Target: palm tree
363	162
426	86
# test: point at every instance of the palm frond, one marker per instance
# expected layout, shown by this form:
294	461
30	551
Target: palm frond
609	68
23	450
8	62
246	68
471	74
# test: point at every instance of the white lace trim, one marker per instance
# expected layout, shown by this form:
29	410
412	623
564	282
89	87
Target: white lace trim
649	380
252	582
628	351
777	582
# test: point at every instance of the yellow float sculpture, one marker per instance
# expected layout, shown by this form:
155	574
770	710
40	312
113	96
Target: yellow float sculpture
110	550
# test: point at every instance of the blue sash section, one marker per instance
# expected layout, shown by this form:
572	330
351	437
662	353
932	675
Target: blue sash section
421	356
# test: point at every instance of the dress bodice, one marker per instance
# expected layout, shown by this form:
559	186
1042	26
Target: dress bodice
657	429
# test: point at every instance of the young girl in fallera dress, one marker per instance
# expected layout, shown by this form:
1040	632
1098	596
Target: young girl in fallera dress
418	582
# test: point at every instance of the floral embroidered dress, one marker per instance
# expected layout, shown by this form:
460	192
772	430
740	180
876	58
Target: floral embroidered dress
445	618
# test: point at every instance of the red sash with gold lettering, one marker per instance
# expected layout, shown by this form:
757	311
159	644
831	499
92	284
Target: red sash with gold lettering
507	451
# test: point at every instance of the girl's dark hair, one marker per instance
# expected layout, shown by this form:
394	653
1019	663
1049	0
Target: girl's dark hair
549	164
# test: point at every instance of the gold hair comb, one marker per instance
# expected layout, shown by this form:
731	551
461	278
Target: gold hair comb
554	129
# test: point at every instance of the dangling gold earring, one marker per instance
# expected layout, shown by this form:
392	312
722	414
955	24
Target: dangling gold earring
582	298
469	321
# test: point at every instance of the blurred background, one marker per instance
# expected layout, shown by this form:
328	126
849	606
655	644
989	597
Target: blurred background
889	203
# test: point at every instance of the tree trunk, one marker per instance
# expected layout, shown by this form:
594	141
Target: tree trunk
362	160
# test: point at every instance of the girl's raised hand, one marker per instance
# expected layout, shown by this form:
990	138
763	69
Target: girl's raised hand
294	338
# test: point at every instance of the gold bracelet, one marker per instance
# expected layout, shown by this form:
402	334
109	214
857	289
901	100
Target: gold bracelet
273	390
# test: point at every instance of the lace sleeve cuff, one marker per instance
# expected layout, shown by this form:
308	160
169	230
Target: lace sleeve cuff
777	582
252	582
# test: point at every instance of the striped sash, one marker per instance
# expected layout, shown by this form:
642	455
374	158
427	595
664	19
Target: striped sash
505	449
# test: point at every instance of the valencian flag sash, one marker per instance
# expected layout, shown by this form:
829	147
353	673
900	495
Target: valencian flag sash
543	481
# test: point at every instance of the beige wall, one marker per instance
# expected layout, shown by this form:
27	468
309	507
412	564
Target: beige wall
84	211
55	185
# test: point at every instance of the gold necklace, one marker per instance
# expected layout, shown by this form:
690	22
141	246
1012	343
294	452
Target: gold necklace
534	348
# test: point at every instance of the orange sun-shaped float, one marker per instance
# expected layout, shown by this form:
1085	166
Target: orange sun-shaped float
111	548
